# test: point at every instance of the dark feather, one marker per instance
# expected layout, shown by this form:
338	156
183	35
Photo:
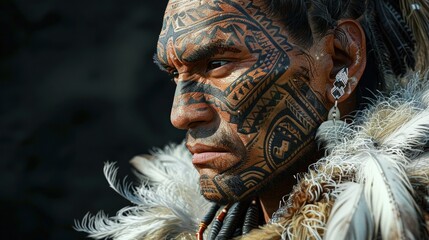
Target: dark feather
376	46
397	36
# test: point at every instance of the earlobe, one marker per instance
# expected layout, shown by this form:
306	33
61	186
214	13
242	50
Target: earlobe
348	51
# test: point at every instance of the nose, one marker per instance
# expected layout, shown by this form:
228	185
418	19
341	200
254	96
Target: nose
190	110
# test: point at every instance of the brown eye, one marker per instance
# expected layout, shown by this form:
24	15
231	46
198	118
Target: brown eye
216	64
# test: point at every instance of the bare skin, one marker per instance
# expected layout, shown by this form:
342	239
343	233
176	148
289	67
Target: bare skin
250	99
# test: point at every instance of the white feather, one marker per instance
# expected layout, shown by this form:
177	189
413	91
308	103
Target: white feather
161	164
332	134
125	189
419	87
350	217
171	206
389	195
412	134
425	97
150	170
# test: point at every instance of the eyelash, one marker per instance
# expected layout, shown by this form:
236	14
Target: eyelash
222	63
174	73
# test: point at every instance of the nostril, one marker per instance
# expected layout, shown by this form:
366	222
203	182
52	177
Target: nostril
190	116
196	124
202	109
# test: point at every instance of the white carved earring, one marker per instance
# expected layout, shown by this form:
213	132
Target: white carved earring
333	130
337	92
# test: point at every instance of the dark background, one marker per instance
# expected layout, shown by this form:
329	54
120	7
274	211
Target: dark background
77	88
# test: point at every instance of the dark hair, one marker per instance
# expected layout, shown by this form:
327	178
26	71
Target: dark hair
392	48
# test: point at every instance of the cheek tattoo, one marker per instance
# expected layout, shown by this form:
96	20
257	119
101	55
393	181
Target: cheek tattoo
280	114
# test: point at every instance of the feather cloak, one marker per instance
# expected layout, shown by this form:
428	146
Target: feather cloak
373	183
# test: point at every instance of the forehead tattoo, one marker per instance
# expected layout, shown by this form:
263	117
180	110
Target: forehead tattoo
246	26
260	93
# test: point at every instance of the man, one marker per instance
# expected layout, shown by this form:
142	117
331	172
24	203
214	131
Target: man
255	81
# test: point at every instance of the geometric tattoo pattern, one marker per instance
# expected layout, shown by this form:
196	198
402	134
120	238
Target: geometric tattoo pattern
289	110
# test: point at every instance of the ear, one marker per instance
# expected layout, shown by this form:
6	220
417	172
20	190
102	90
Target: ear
345	48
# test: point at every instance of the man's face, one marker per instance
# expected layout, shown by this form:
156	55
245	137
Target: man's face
243	93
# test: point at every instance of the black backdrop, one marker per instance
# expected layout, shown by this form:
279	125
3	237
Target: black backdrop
77	88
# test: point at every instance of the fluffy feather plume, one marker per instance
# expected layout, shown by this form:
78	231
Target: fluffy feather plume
350	218
425	95
415	87
310	221
332	134
306	211
402	122
389	195
370	175
375	180
412	134
266	232
168	202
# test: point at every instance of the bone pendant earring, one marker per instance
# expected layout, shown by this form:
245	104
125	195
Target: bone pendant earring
337	92
333	130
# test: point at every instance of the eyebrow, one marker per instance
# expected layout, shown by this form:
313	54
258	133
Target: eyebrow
209	50
204	52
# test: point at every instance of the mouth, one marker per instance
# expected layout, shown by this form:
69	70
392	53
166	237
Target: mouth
211	157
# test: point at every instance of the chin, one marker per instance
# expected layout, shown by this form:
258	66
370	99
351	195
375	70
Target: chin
216	198
222	188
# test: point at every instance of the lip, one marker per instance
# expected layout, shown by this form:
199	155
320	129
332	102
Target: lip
204	156
201	148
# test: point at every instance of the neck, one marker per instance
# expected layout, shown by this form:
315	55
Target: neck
271	196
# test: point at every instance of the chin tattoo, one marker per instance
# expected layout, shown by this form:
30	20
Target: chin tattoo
246	94
278	112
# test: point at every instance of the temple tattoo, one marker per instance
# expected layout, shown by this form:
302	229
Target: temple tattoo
278	113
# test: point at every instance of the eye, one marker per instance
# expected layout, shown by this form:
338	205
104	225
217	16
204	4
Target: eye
216	64
174	74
